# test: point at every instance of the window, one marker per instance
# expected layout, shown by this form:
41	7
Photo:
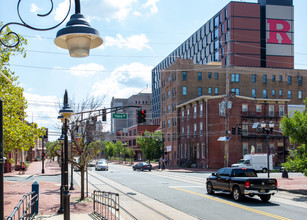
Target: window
254	93
168	109
273	92
222	108
216	43
280	78
258	108
200	129
209	75
199	76
195	111
236	91
216	21
280	92
168	94
225	13
184	75
271	110
289	94
289	80
188	131
273	78
216	75
254	78
244	108
300	80
216	90
244	128
182	115
184	90
185	151
264	79
168	123
202	150
299	94
281	111
264	93
209	90
259	148
182	132
188	114
197	149
245	149
195	129
200	110
199	91
216	56
235	77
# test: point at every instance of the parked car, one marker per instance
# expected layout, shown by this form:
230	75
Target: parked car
101	165
240	182
142	166
91	163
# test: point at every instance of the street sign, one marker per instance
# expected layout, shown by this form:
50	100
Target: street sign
223	139
119	115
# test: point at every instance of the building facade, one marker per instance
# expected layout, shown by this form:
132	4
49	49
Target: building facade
241	34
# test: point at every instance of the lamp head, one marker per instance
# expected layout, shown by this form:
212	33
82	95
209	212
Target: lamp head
61	139
78	37
66	111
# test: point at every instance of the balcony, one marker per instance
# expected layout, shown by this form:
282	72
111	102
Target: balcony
259	115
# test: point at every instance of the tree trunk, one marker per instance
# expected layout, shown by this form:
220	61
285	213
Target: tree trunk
82	183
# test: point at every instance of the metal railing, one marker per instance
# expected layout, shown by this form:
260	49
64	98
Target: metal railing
26	208
106	205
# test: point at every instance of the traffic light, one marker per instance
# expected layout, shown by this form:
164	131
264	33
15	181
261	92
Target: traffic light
46	134
118	134
233	130
143	133
239	130
43	155
104	115
139	116
143	116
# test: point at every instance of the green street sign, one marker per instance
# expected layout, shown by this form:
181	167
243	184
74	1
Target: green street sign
119	115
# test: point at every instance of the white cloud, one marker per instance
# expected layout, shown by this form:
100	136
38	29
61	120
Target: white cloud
86	70
152	5
34	8
61	10
124	81
138	42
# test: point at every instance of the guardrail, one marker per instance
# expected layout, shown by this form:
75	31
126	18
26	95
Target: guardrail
106	204
26	208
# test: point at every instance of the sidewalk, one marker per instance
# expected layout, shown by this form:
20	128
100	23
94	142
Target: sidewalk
16	185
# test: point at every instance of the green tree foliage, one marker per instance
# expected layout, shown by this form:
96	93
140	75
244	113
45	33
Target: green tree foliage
295	128
18	134
53	149
109	149
150	145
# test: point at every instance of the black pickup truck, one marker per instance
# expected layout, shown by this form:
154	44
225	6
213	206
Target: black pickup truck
240	182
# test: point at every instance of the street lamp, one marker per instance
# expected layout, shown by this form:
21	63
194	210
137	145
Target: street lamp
66	111
267	131
61	141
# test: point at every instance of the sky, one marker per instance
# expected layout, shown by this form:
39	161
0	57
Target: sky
137	35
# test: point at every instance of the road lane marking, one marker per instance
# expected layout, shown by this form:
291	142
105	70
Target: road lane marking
233	204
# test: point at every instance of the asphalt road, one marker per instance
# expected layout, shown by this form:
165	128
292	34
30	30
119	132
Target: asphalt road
186	192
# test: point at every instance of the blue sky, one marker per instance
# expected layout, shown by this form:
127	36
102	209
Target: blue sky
137	35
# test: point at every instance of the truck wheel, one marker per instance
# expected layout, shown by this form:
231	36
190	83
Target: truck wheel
264	170
210	188
265	198
236	194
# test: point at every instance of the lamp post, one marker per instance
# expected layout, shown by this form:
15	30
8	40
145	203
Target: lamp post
66	111
43	155
161	140
61	141
267	131
71	170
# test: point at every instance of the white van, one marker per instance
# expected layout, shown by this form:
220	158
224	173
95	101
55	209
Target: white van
255	161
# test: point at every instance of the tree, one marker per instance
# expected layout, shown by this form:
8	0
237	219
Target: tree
295	128
53	149
149	143
109	149
18	134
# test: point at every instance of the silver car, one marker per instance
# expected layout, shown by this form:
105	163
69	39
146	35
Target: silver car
101	165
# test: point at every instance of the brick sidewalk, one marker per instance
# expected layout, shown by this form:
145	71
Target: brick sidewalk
49	192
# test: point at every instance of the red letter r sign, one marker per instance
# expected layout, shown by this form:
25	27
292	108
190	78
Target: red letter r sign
273	31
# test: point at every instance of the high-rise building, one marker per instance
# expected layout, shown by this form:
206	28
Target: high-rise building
241	34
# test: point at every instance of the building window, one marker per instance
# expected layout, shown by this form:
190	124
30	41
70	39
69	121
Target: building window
216	21
245	149
195	129
222	108
216	90
264	79
244	128
200	110
264	93
273	92
168	109
280	92
197	149
259	148
199	76
182	132
202	150
168	94
182	115
225	13
235	77
184	90
254	93
185	151
199	91
289	94
168	123
209	75
195	111
299	94
209	90
271	110
184	75
258	108
273	78
289	80
216	75
254	78
200	129
188	114
236	91
244	108
188	131
300	80
281	111
280	78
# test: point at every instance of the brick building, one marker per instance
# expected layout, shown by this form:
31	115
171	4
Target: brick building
202	121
